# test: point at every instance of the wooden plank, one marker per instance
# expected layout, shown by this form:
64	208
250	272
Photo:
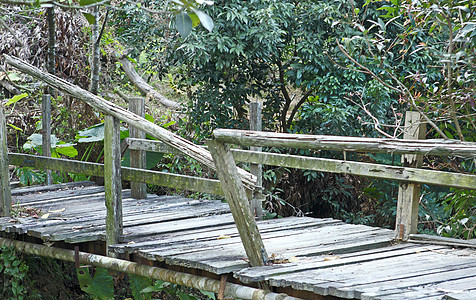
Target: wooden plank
321	280
112	181
46	133
96	222
58	186
223	230
177	181
206	257
273	238
171	139
430	177
439	240
237	199
409	193
5	191
265	273
449	279
45	198
404	275
345	143
256	169
137	157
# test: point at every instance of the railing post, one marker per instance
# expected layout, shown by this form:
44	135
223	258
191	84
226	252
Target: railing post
409	193
5	192
137	157
112	181
238	201
46	124
257	169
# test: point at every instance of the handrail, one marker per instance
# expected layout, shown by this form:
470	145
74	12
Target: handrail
344	143
177	181
109	108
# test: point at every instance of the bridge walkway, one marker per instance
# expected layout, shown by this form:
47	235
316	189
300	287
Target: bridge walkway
309	258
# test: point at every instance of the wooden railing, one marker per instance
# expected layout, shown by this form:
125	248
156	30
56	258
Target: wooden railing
236	184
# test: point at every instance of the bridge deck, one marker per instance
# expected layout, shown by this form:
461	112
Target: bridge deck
317	256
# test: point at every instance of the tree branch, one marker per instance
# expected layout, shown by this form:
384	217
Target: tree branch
143	86
403	89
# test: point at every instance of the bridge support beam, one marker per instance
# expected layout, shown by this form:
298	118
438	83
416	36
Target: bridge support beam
5	192
112	181
409	193
238	201
137	157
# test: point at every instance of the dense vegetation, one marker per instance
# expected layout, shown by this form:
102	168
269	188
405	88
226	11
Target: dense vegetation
319	67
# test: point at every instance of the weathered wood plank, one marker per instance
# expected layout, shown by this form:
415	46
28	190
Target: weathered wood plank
430	177
5	191
237	199
57	186
46	134
137	157
439	240
222	231
176	181
321	262
177	142
344	143
112	181
409	193
256	169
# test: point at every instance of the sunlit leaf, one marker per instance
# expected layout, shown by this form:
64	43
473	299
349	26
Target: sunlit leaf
205	19
16	98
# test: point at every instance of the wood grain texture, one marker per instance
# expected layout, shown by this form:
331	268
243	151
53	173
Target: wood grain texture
237	199
112	180
344	143
5	191
137	157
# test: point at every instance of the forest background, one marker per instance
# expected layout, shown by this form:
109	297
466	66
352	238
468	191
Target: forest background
319	67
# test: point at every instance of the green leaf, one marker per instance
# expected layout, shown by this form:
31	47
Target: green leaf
69	151
100	286
151	159
91	19
88	2
210	295
16	128
16	98
138	284
95	133
184	24
205	19
195	19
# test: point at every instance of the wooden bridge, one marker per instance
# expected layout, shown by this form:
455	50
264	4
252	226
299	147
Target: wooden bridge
222	243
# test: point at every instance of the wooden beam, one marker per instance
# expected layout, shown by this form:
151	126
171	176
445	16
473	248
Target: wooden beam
176	181
46	132
257	169
112	181
171	139
5	192
238	201
430	177
137	157
344	143
409	192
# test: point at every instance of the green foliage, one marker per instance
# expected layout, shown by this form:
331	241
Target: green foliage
462	223
100	286
28	176
137	285
176	290
13	272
